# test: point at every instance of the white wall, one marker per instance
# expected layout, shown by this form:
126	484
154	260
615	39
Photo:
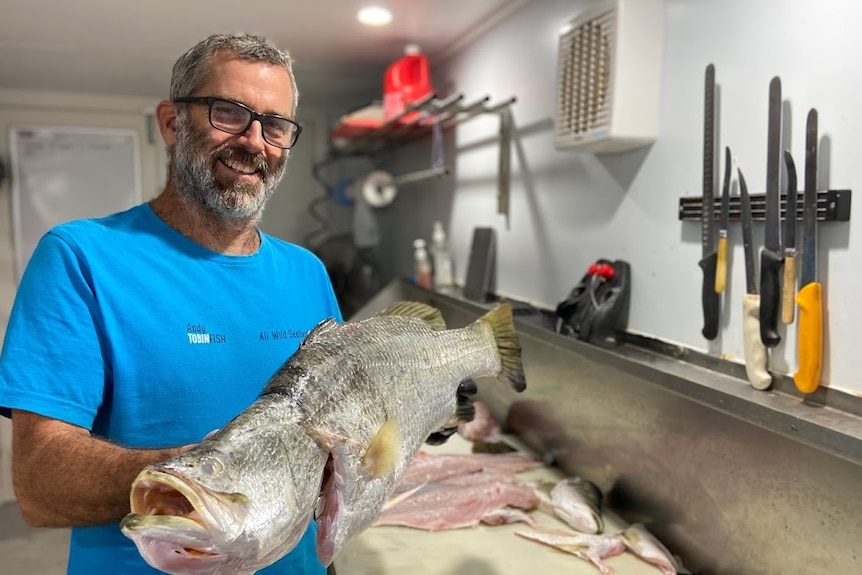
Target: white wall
569	209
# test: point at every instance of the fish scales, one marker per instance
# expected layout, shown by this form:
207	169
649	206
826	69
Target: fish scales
355	393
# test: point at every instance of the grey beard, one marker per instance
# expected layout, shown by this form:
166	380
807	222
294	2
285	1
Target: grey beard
192	172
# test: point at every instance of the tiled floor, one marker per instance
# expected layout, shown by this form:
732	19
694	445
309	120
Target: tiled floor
28	551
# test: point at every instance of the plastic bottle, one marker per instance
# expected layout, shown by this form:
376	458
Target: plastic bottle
422	265
407	80
442	257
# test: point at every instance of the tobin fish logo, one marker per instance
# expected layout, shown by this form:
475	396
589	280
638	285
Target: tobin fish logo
198	334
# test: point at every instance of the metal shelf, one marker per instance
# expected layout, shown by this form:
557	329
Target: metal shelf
832	206
424	115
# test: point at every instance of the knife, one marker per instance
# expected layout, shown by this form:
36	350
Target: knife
709	298
771	257
721	266
788	295
755	351
810	297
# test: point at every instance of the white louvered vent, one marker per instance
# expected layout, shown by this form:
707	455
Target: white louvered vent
608	77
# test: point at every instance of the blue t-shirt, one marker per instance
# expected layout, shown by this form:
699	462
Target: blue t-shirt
127	328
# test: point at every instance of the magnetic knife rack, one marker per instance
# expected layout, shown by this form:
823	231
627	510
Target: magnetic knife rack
832	206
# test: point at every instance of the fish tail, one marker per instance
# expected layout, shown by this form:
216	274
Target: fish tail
503	328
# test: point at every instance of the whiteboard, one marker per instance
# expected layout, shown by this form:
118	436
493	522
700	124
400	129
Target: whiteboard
68	173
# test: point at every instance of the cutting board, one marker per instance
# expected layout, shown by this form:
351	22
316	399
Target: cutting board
480	550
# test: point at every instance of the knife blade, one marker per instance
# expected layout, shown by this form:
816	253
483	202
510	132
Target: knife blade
810	298
709	299
788	294
721	265
771	258
753	348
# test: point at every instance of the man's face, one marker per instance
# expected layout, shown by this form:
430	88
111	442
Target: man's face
232	174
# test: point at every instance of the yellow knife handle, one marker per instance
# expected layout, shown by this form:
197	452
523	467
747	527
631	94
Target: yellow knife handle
755	351
810	344
721	266
788	295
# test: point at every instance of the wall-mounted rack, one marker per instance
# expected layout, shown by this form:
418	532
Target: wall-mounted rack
423	116
430	115
832	206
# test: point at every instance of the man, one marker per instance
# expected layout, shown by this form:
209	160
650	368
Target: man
135	334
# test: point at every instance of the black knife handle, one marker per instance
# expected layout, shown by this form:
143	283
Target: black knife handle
770	296
709	297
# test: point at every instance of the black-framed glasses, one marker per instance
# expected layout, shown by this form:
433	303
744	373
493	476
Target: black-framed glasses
235	118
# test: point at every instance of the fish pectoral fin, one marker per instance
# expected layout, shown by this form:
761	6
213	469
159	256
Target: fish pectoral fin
382	454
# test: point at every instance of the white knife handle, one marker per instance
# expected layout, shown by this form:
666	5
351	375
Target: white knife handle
755	351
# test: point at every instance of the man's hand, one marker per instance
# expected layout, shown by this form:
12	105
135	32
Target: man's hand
463	412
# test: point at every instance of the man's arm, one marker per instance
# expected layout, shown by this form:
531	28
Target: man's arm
64	477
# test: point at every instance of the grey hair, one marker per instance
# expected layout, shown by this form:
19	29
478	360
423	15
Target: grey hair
192	69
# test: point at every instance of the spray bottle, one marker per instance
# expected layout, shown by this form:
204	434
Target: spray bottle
443	273
421	265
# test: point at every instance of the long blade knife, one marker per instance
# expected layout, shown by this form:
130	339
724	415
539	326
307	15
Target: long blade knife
755	351
771	258
810	298
721	266
709	298
788	295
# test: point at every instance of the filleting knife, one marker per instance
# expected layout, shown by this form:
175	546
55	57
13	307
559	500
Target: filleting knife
771	257
788	295
721	265
709	298
755	351
810	297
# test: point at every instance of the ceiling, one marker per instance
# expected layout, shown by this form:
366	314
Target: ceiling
128	47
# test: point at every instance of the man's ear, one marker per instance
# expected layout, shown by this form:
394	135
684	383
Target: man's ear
166	116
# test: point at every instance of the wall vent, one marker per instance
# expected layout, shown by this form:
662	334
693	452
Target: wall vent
608	77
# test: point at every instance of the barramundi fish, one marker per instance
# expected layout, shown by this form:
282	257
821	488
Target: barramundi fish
332	430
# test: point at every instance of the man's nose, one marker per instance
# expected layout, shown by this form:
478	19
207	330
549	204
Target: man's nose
252	138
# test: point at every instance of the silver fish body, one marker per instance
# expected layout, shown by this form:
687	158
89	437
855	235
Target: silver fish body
357	399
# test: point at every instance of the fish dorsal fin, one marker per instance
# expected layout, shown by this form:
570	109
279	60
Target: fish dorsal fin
382	454
320	328
419	310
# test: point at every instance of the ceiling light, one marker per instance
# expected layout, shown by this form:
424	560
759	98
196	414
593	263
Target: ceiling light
374	16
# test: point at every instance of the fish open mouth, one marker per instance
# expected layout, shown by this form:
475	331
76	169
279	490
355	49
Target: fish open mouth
161	494
182	519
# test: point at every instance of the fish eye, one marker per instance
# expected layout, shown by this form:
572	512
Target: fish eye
211	466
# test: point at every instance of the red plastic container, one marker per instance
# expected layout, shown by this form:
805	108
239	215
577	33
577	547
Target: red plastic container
407	80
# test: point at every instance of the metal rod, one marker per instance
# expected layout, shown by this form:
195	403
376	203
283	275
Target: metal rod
466	112
501	105
504	169
419	176
427	117
395	120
